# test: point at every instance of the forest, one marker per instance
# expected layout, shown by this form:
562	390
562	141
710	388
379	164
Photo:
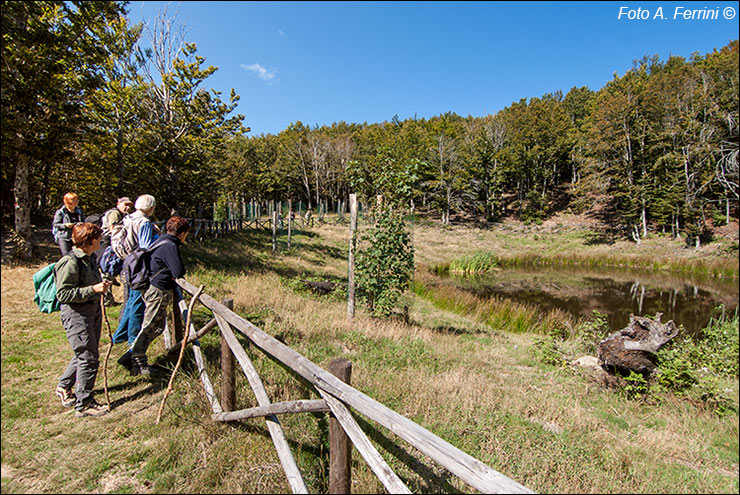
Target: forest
98	106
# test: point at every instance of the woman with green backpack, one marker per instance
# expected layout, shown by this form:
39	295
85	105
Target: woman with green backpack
79	288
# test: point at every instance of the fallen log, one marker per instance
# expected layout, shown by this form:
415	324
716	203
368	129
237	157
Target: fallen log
633	348
321	288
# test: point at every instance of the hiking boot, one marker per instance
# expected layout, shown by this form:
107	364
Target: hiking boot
125	360
140	367
92	408
67	397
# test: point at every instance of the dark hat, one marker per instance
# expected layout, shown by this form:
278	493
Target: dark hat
125	199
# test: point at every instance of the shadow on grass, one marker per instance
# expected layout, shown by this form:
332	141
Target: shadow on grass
157	383
240	252
430	482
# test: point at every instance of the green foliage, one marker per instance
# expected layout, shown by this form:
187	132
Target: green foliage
714	352
675	371
84	110
590	332
547	349
718	346
385	262
636	386
222	209
693	366
54	56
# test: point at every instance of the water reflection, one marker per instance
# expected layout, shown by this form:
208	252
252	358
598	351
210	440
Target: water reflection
690	303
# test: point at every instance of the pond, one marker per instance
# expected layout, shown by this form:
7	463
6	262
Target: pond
688	302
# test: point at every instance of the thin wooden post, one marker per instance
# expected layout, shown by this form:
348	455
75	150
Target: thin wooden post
340	447
274	231
228	365
290	221
176	318
351	261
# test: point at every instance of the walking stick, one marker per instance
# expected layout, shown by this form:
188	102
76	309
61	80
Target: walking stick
107	353
182	352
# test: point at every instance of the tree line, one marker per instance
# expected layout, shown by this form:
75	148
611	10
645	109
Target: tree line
655	149
87	108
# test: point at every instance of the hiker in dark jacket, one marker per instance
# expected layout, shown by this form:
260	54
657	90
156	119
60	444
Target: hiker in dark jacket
165	265
64	219
79	288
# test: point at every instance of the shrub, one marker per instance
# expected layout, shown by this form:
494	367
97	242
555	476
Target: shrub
693	366
591	331
547	348
385	262
636	386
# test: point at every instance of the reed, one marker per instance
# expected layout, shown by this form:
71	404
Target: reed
474	263
498	314
482	262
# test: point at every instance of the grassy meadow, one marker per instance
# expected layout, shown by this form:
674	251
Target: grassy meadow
471	376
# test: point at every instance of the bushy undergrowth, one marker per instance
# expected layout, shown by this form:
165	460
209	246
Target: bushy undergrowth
691	367
694	366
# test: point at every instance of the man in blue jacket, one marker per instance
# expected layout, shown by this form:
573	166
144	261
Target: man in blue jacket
165	265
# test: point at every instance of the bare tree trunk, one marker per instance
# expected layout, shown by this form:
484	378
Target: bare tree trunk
119	162
22	199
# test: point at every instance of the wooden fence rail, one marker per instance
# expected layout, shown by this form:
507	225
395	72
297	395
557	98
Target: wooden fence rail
338	397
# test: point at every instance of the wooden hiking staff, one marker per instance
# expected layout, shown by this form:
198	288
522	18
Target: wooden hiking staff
182	352
107	353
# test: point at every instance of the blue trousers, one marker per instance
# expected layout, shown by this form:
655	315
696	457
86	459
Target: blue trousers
131	319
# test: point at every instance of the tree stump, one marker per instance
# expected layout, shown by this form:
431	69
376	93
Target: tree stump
634	347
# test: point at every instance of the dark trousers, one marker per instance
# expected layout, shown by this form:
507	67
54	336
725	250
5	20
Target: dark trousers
82	324
156	302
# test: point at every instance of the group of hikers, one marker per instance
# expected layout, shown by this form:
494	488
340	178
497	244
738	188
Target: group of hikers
92	256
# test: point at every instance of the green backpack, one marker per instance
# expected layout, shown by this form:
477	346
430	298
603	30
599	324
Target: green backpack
46	289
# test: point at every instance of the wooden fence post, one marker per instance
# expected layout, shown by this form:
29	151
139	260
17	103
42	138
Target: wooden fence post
290	221
274	230
176	318
351	261
228	377
340	447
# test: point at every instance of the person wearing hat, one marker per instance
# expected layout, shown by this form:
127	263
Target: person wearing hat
114	216
113	220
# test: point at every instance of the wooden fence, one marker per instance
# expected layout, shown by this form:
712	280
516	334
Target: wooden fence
206	229
337	397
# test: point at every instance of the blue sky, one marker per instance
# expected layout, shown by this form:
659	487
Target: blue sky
324	62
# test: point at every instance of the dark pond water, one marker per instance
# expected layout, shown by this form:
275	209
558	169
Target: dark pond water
690	303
